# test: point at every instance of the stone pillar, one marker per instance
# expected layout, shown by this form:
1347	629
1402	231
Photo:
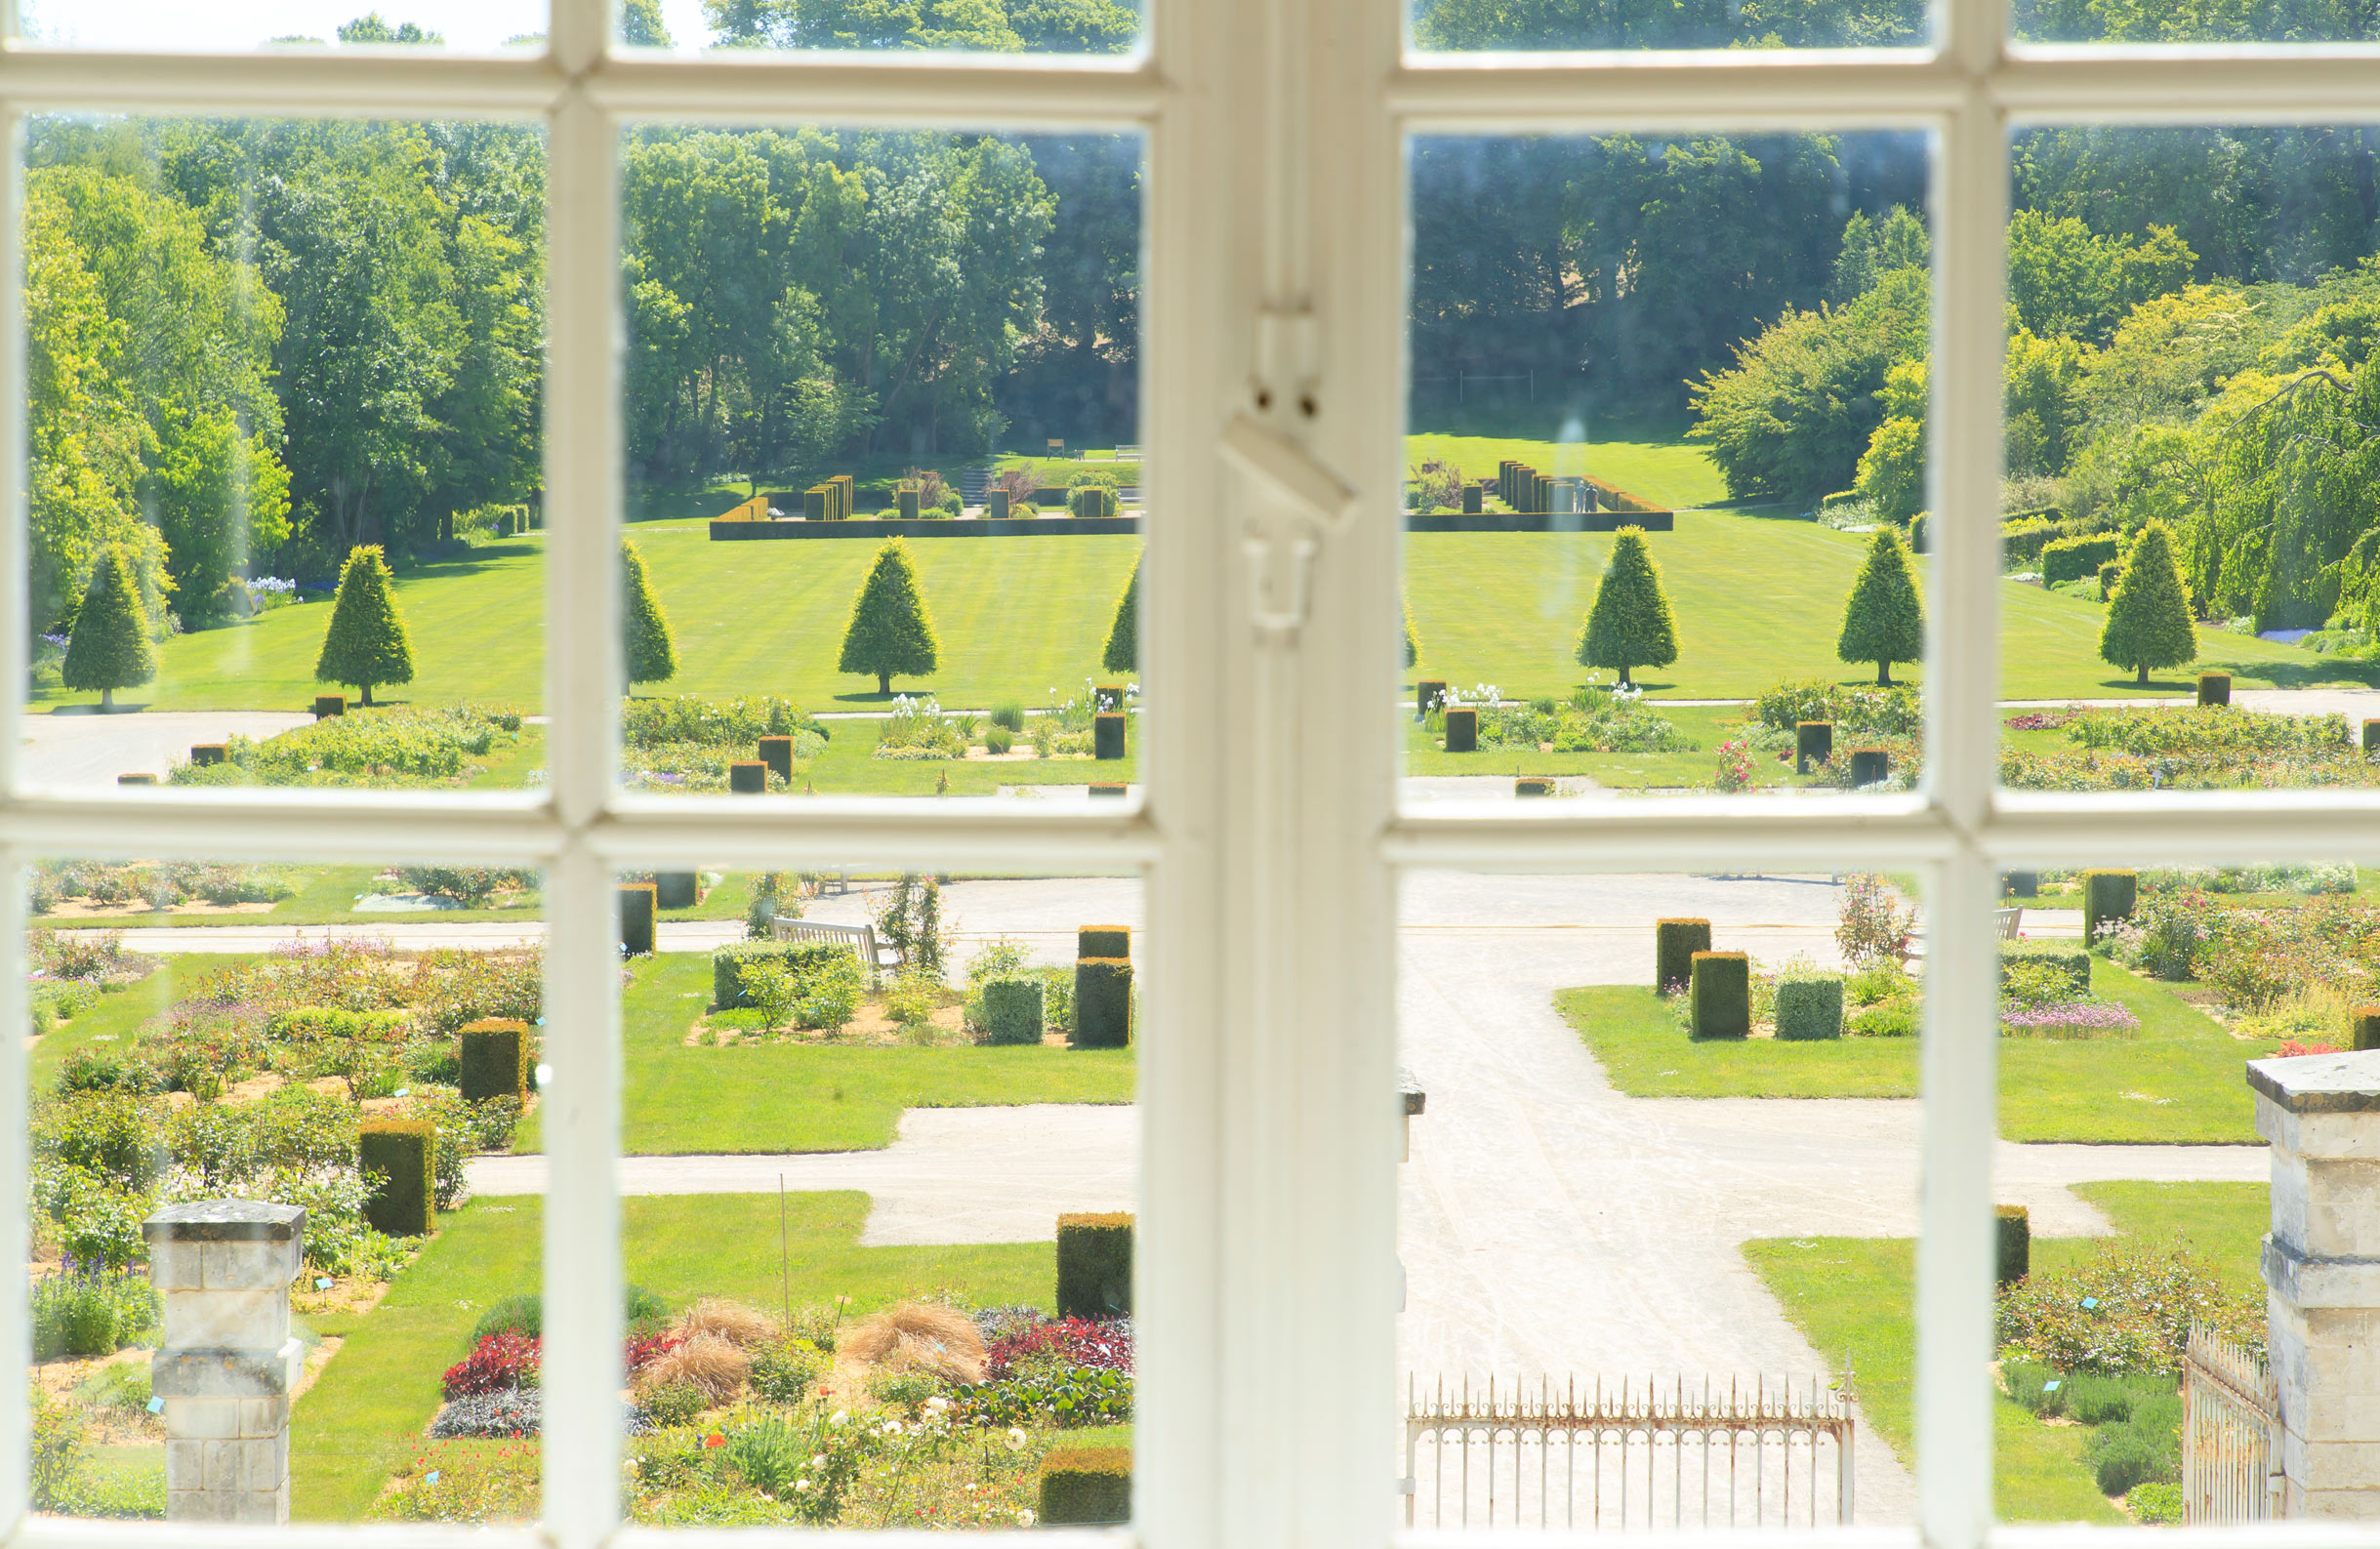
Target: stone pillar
228	1361
2321	1273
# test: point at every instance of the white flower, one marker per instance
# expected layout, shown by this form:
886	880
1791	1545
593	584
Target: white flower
1016	1437
841	1416
892	1427
820	1461
801	1484
938	1403
1024	1519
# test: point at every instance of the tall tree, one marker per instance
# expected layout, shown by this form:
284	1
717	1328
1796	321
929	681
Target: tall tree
110	647
1121	653
1630	624
366	644
372	27
890	631
652	653
2149	624
1883	622
642	25
1066	26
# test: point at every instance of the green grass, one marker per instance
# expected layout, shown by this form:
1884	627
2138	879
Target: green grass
792	1098
1852	1299
2179	1082
325	895
119	1014
1665	472
378	1393
1707	724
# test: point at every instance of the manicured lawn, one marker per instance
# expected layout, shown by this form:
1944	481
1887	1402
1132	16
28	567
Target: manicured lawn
1852	1298
789	1097
325	895
119	1014
1707	724
1665	472
372	1402
2179	1082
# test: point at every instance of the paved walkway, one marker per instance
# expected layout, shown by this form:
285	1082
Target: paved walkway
76	750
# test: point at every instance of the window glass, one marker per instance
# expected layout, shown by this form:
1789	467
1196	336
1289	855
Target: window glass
880	1164
286	491
2188	536
214	1049
232	25
1656	1241
2186	22
989	26
1537	24
885	486
1665	496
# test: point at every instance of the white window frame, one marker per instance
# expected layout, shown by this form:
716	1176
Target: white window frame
1270	838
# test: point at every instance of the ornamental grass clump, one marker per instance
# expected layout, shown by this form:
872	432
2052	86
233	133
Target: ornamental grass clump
706	1361
917	1336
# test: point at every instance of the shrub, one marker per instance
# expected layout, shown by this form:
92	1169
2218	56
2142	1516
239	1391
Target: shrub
498	1362
1810	1007
1086	1486
1091	500
1855	711
1107	734
1103	941
806	959
1674	944
706	1361
1094	1263
1719	995
2071	965
1889	1020
1009	715
1869	922
1012	1010
403	1152
366	644
999	740
639	902
785	1372
2073	559
2012	1252
918	1337
1102	1003
2154	1502
2108	897
514	1315
2144	1299
472	885
493	1059
90	1314
2122	1456
1102	1344
738	722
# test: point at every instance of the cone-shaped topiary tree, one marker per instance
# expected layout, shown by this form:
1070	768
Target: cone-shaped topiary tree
890	631
1412	651
1883	621
652	655
2148	615
110	648
365	644
1629	626
1123	653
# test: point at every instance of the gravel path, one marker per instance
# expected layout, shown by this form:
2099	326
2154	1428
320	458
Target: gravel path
77	750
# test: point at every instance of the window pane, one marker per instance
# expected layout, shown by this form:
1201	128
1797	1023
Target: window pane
879	1157
2138	1190
1719	342
285	455
885	486
229	1040
1534	24
1592	1166
988	26
474	27
2187	532
2184	21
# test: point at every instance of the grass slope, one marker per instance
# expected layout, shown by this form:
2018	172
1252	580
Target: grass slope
789	1098
2179	1081
1852	1299
380	1391
1665	472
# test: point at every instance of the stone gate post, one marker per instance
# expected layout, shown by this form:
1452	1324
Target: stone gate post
2321	1274
229	1360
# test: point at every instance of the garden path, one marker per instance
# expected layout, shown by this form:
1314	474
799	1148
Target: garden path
74	748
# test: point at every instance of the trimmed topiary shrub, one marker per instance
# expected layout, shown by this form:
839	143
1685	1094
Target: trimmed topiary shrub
727	964
1674	944
638	902
404	1153
2363	1027
2074	961
2012	1250
1103	941
2107	897
2020	884
207	752
1812	744
777	753
493	1054
1109	787
1811	1007
1869	767
1462	730
1107	696
1012	1010
1430	693
747	777
676	889
2214	688
2371	736
1107	734
2073	559
1102	1003
1532	785
1095	1258
1086	1487
328	705
1719	995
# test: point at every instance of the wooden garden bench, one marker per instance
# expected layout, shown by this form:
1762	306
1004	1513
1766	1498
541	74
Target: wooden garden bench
2009	919
861	939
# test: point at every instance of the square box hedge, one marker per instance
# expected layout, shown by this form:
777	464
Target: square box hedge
404	1152
1719	995
2069	958
1103	941
1674	944
1086	1487
1094	1259
1810	1008
639	902
494	1056
1102	1003
1012	1010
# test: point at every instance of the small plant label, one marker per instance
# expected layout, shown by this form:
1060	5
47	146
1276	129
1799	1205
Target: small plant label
432	1477
156	1406
2051	1387
2090	1304
322	1282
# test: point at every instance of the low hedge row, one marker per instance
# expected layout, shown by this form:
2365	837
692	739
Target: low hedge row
727	964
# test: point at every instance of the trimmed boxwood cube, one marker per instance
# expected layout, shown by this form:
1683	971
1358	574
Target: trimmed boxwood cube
908	498
638	905
1812	744
1462	730
1473	502
2214	688
2363	1027
1869	765
136	779
2012	1256
1719	995
1107	734
1012	1010
404	1152
778	753
1109	787
1095	1264
2020	884
996	504
1086	1487
207	752
1532	785
1102	941
1674	944
328	705
1810	1008
1107	696
494	1055
747	777
2107	896
814	502
1430	693
1102	1003
676	889
2073	961
2371	736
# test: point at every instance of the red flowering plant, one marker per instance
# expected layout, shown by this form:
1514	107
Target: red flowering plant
507	1360
2291	1049
644	1349
1067	1341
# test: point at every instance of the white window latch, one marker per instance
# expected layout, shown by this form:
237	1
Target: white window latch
1318	503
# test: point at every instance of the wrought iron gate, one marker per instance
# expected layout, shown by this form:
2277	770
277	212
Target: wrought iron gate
2231	1465
1631	1457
